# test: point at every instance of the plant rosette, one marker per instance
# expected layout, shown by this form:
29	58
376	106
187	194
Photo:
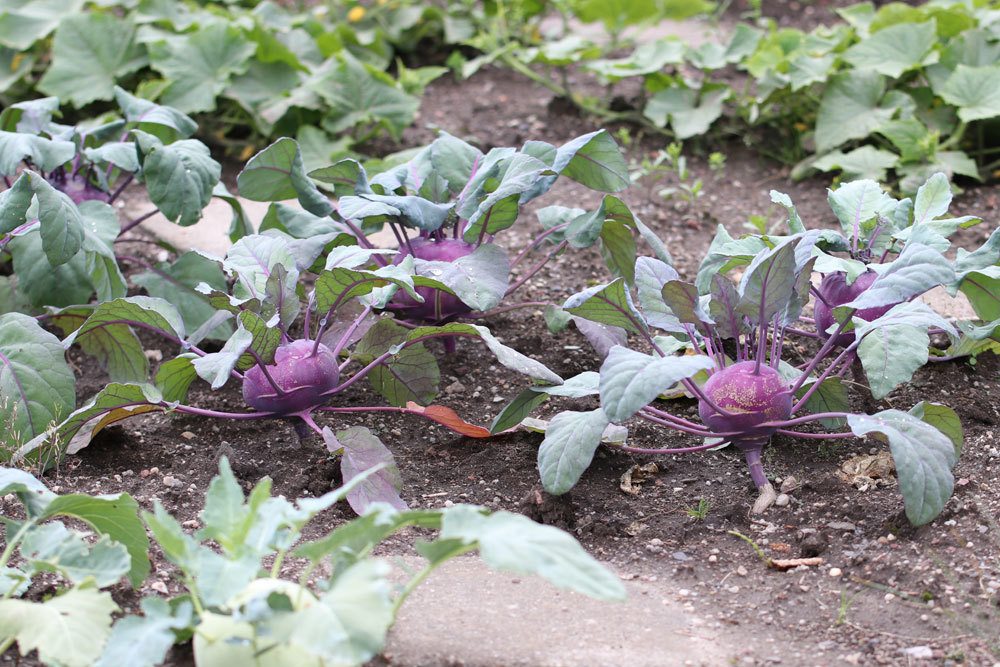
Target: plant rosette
724	349
296	351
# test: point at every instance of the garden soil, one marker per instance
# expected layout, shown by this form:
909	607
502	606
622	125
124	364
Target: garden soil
884	593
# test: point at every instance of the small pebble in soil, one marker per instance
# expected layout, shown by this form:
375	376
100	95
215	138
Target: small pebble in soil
782	500
835	572
918	652
845	526
742	571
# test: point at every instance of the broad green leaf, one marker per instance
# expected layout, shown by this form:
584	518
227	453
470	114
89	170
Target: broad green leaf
252	261
143	641
228	517
23	22
361	450
982	288
571	439
53	547
647	58
514	412
356	94
850	109
690	112
62	223
179	177
69	629
116	516
894	50
932	200
36	384
514	543
631	380
795	224
336	286
975	91
412	374
863	162
618	248
90	52
278	173
924	457
174	377
607	304
830	396
768	285
593	160
480	279
100	229
408	210
200	64
116	347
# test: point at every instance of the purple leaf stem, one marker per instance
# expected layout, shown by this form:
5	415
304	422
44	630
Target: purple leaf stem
138	221
342	343
817	436
536	268
537	242
820	355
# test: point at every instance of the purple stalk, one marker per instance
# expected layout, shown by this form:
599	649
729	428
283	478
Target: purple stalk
823	376
536	268
342	343
537	242
817	436
503	309
201	412
680	450
804	420
263	369
683	429
138	221
756	465
120	189
364	242
823	351
401	238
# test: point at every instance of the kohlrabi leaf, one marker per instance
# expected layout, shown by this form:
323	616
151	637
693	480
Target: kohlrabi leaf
408	210
571	439
36	383
166	123
90	52
44	284
336	286
492	209
602	337
216	367
631	380
347	178
722	308
610	303
857	205
830	396
252	260
593	159
176	282
982	288
683	301
116	348
891	354
917	269
517	409
45	154
650	277
228	516
924	457
514	543
179	177
69	629
724	254
618	248
769	284
480	279
455	160
100	229
932	200
412	374
943	419
174	377
277	173
108	332
61	223
795	224
361	450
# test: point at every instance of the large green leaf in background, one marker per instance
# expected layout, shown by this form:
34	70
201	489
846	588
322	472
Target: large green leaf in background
90	53
180	177
850	109
975	91
23	22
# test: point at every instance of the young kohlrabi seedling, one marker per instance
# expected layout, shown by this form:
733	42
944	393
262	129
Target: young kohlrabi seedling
888	252
456	200
58	229
235	610
733	339
291	358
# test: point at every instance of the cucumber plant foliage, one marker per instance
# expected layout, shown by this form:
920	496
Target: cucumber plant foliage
231	608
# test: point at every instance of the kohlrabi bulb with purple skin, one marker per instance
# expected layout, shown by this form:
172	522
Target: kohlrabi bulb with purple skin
303	376
752	397
837	292
438	306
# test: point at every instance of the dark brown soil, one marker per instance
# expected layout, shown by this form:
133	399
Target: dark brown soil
884	586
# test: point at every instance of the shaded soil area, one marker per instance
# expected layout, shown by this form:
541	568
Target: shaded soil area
886	593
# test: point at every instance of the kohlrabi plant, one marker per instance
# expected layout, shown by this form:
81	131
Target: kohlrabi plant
725	350
448	203
295	351
888	252
335	609
60	231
